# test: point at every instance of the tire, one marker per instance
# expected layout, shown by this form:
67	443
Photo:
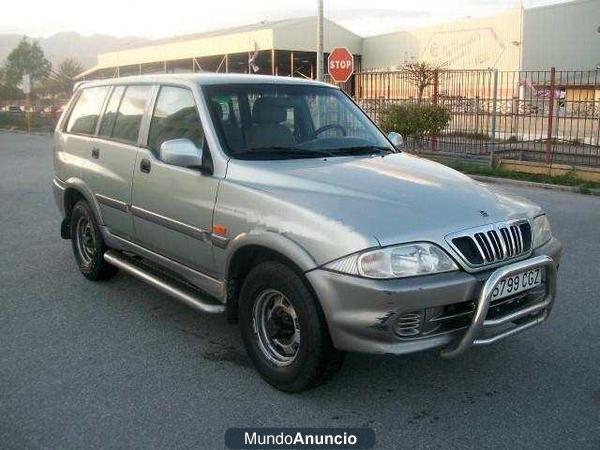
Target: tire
88	245
293	350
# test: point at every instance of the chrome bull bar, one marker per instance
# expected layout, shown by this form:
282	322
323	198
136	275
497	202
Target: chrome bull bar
480	322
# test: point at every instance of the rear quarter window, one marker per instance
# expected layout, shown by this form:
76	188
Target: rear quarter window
85	113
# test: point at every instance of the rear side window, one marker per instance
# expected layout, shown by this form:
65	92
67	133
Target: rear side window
129	117
110	114
84	116
175	117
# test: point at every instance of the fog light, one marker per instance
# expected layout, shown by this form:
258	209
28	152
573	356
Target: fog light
408	324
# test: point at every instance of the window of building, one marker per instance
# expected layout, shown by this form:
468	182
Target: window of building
84	116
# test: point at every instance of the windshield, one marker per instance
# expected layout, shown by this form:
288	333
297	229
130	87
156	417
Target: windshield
278	121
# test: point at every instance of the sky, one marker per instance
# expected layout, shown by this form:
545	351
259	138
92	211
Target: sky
148	19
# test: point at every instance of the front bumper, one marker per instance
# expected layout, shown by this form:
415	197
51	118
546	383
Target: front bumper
363	314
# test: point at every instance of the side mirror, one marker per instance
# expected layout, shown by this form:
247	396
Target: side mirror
181	152
396	139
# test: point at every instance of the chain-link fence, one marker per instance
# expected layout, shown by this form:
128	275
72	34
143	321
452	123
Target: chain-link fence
550	116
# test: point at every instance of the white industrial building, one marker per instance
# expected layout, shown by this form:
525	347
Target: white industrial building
565	36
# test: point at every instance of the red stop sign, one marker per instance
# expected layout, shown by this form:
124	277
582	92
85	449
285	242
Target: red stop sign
340	64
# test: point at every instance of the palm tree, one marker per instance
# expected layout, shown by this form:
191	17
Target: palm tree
61	81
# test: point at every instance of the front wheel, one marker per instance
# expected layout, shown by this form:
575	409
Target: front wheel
284	330
88	245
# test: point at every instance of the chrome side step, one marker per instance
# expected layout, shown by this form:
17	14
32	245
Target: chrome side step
164	284
214	288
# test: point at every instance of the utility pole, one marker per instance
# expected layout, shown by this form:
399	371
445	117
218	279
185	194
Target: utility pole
26	83
320	40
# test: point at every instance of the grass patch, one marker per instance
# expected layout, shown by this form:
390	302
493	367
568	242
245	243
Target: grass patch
568	179
468	135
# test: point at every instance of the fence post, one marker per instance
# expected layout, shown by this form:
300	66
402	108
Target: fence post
550	114
494	113
435	102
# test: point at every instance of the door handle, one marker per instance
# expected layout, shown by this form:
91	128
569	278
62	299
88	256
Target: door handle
95	153
145	165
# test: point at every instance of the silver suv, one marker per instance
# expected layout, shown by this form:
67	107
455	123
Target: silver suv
278	202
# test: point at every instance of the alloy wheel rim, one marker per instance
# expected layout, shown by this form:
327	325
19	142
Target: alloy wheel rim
276	327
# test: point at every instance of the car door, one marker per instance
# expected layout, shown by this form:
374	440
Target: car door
172	206
114	153
77	136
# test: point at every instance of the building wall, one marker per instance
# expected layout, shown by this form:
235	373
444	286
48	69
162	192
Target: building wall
565	36
389	50
580	94
302	36
233	43
293	34
478	43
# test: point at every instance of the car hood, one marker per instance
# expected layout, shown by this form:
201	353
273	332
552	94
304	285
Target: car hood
395	198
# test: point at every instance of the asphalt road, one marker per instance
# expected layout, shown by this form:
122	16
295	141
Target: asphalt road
118	364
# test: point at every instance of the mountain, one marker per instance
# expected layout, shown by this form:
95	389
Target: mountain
72	45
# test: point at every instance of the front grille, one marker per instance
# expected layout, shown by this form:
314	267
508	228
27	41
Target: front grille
494	243
458	316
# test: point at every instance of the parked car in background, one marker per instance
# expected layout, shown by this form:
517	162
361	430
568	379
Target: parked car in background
15	111
278	202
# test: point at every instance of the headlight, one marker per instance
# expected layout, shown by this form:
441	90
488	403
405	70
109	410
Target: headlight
400	261
541	231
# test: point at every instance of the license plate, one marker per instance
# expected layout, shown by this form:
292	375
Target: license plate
519	282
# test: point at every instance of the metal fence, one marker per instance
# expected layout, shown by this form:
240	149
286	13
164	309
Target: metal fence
551	116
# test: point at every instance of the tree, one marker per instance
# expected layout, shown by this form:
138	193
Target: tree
62	81
7	92
422	75
26	58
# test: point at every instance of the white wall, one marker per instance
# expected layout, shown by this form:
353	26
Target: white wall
302	35
479	43
566	36
389	50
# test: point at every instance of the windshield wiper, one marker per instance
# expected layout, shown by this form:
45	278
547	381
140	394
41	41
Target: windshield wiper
287	151
364	149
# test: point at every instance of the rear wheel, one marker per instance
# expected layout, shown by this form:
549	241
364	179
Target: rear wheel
284	330
88	245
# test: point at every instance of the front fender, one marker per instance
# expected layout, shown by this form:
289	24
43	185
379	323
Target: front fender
272	241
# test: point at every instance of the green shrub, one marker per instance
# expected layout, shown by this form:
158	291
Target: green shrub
37	122
5	118
415	120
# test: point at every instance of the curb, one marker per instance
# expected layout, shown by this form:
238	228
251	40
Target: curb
521	183
33	133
